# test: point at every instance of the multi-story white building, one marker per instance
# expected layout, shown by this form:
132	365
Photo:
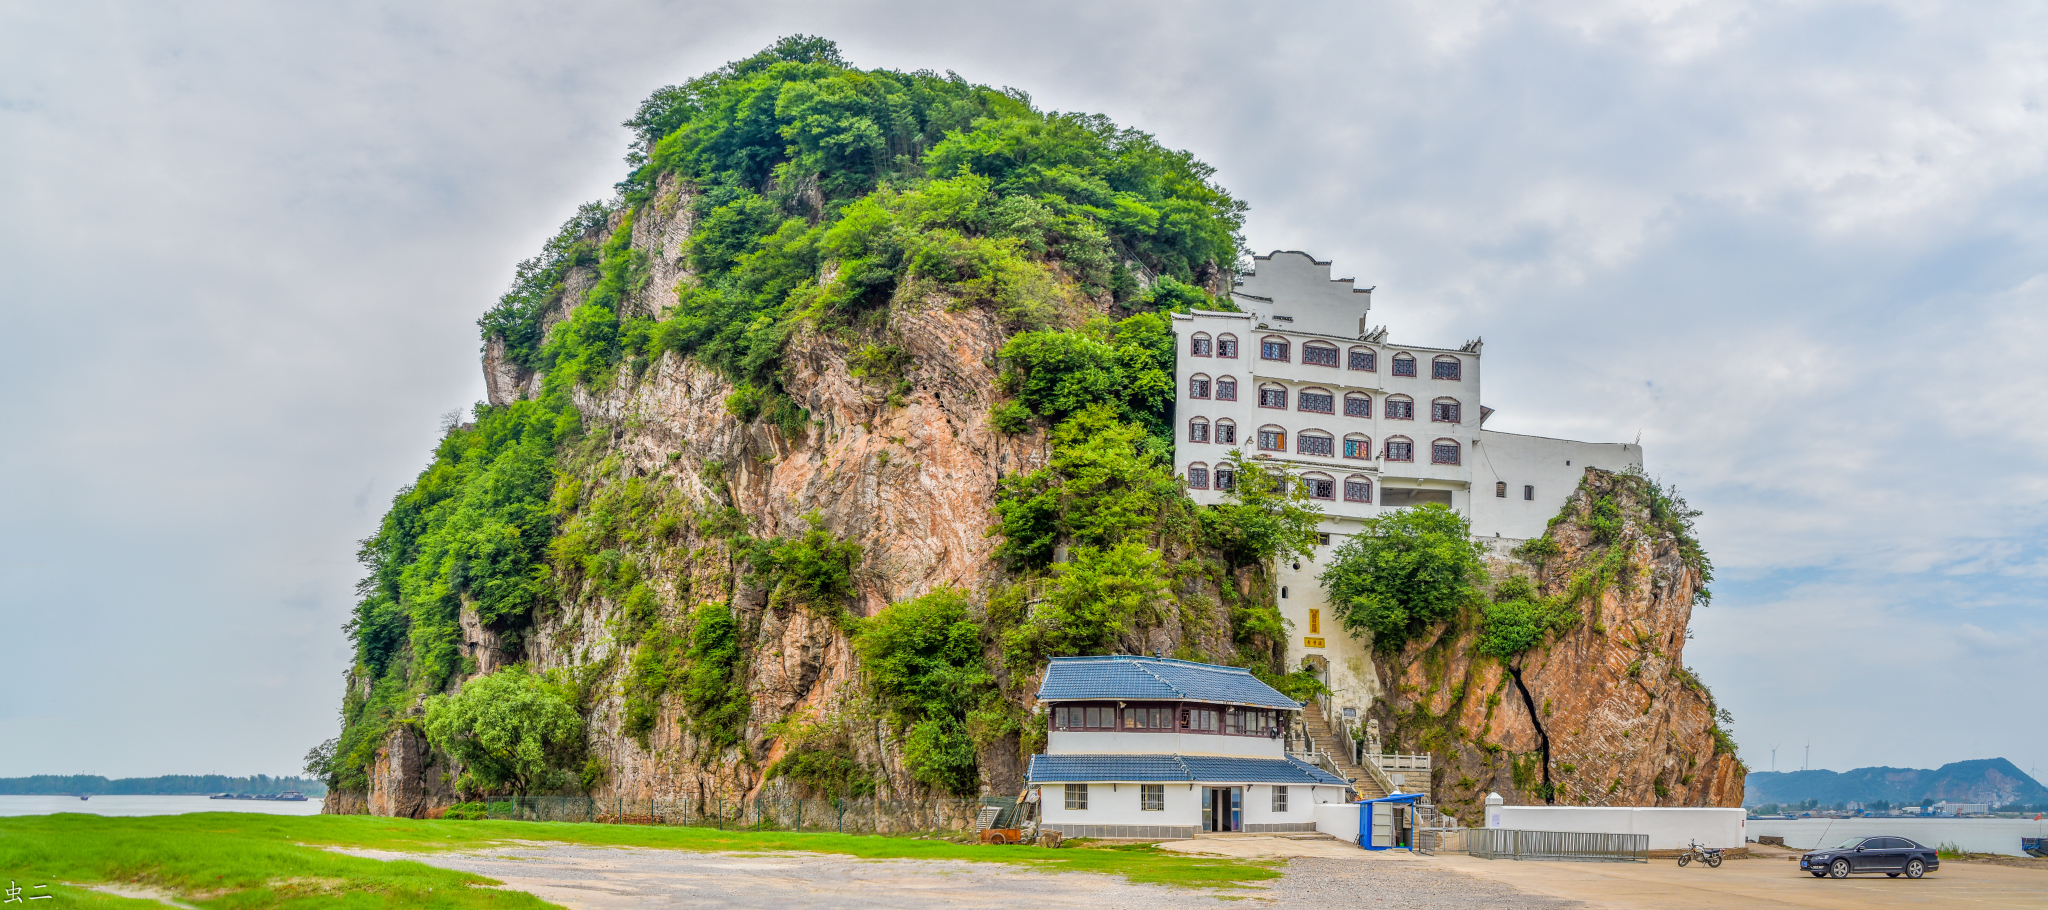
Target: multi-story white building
1301	382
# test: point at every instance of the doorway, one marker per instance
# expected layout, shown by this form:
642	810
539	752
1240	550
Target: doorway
1222	809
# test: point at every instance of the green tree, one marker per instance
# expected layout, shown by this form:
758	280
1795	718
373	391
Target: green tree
1264	516
512	729
1408	570
1101	488
923	659
1092	603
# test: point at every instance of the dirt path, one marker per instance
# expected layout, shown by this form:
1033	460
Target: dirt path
604	878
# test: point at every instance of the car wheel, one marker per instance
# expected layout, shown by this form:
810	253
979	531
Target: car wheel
1916	867
1839	868
1684	858
1713	861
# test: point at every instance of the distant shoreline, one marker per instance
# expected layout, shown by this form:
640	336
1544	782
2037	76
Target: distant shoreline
164	785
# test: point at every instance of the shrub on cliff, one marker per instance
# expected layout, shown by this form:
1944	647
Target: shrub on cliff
1263	517
513	730
924	666
1408	570
1517	618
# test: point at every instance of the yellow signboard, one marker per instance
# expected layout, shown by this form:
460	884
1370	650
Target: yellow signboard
1311	642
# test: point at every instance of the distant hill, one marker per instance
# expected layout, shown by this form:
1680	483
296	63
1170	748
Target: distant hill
168	785
1994	781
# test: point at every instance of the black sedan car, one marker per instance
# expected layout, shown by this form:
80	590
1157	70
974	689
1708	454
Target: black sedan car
1893	856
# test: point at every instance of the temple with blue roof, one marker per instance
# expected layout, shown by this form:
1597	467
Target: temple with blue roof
1149	747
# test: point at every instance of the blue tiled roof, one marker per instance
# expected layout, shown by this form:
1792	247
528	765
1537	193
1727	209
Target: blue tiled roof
1218	769
1156	679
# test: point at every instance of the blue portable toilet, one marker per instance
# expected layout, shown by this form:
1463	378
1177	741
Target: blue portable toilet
1388	823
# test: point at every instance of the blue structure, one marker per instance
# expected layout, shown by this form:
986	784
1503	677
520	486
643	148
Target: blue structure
1388	823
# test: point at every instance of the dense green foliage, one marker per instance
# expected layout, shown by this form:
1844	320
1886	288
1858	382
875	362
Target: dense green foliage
1517	618
1263	517
814	570
512	729
1126	367
1408	570
923	659
1102	487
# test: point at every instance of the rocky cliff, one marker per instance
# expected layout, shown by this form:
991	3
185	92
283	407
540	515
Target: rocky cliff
1604	712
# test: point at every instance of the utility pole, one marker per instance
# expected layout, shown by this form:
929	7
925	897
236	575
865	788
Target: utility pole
1774	756
1804	762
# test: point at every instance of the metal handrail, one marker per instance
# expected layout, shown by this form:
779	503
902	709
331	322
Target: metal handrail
1509	843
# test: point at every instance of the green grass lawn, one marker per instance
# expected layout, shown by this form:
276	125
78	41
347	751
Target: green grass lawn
237	860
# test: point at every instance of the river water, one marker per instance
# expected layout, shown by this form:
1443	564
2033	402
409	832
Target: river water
149	805
1976	835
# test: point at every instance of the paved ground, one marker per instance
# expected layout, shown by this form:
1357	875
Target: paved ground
1761	883
603	878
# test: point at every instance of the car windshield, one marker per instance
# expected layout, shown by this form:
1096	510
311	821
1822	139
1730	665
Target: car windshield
1849	844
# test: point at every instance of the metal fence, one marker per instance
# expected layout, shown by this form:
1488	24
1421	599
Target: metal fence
855	815
1431	841
1504	843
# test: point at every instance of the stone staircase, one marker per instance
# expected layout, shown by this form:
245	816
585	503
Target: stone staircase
1327	741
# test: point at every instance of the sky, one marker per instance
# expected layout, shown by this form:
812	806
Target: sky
1794	247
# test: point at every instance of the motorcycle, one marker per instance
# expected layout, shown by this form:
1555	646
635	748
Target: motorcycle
1709	855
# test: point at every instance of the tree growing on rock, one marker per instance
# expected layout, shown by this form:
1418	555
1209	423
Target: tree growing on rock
513	729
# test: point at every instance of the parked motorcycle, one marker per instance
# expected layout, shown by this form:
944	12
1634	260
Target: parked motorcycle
1693	851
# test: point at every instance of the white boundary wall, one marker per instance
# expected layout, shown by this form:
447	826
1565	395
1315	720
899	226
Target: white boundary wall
1339	820
1669	829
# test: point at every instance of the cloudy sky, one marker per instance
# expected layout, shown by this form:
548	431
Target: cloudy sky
1796	246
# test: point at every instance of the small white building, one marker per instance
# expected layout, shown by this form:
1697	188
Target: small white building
1300	381
1145	747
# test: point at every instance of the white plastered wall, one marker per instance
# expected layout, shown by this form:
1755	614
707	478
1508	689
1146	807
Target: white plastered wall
1118	804
1668	828
1067	742
1552	466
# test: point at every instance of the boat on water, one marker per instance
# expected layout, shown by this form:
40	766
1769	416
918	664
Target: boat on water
288	796
2034	846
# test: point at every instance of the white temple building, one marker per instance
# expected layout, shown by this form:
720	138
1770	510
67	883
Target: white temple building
1301	381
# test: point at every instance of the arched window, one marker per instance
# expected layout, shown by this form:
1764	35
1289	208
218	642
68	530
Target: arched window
1318	401
1226	478
1318	354
1357	404
1320	486
1198	476
1226	432
1198	430
1226	346
1273	395
1443	451
1198	386
1272	439
1226	388
1357	488
1200	345
1445	367
1404	364
1500	490
1362	359
1400	407
1400	448
1273	347
1357	445
1529	492
1444	410
1315	442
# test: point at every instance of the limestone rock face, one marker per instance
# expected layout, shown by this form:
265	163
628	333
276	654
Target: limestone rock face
1603	714
405	780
